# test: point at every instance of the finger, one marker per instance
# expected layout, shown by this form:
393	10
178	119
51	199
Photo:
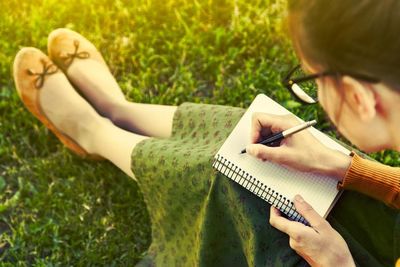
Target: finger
278	154
261	122
300	235
257	127
309	259
273	123
277	221
305	209
292	228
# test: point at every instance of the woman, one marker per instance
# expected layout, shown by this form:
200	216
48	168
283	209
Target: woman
200	217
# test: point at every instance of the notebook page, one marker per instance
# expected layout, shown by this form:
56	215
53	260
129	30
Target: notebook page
319	191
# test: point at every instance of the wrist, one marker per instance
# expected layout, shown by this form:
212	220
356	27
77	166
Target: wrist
338	255
344	260
335	163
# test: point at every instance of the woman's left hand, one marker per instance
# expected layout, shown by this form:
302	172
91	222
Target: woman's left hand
320	244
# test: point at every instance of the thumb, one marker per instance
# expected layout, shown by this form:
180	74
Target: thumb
305	209
274	154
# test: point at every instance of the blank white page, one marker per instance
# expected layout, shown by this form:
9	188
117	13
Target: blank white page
320	191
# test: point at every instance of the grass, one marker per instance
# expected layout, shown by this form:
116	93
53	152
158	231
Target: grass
56	209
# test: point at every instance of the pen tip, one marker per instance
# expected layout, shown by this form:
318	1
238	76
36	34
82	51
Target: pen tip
243	151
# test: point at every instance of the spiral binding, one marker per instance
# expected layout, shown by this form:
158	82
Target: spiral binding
258	188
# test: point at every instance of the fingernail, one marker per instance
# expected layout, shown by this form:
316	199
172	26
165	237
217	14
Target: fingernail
275	210
248	149
299	199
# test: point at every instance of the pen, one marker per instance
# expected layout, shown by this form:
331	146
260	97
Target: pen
279	136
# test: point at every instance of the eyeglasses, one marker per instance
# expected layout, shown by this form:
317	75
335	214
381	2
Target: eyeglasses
304	88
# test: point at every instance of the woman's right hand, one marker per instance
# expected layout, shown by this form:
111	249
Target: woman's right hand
301	151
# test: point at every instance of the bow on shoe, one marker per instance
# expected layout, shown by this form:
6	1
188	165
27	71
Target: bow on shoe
48	69
69	57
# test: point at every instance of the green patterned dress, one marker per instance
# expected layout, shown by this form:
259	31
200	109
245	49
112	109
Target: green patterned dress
201	218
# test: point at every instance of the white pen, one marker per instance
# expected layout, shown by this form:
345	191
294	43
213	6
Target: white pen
279	136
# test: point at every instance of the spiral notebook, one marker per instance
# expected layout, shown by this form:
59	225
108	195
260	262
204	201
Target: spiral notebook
273	183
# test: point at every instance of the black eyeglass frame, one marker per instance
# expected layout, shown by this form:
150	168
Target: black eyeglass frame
288	81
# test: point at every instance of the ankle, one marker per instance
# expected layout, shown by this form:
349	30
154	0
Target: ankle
97	84
119	114
112	108
90	135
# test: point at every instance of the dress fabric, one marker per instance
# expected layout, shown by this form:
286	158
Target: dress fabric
201	218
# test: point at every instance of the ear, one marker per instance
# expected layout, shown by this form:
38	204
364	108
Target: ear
361	98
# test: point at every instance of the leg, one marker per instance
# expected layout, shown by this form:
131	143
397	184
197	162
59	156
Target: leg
97	84
49	96
71	114
149	120
86	69
116	145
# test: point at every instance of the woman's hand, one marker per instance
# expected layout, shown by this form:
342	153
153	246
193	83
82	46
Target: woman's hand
320	244
301	151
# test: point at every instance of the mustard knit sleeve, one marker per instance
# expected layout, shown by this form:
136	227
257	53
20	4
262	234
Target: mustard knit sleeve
373	179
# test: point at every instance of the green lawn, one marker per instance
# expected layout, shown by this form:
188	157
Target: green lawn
57	209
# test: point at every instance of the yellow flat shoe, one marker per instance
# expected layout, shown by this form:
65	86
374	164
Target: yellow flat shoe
30	70
64	46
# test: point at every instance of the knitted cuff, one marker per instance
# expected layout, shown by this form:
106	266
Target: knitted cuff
373	179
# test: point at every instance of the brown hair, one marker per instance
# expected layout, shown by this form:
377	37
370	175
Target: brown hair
356	36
